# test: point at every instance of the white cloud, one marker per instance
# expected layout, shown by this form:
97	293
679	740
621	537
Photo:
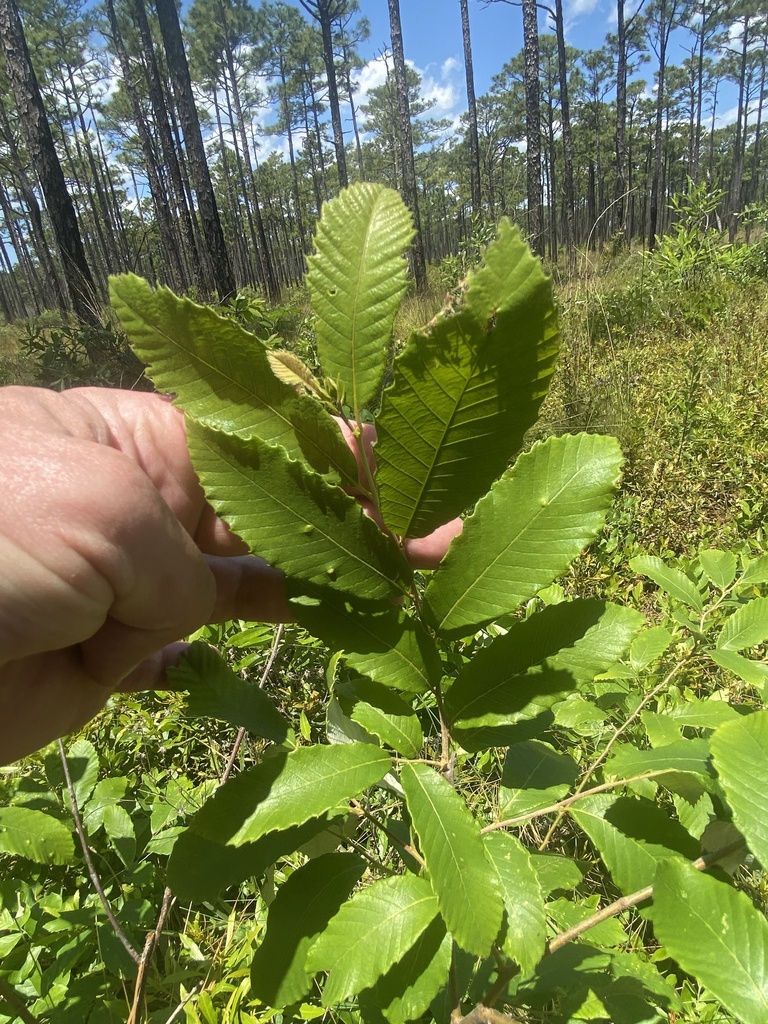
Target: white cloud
579	8
443	95
371	76
440	85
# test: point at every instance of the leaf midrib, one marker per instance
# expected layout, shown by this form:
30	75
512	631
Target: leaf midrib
297	431
297	515
544	509
277	793
446	836
740	970
365	939
430	465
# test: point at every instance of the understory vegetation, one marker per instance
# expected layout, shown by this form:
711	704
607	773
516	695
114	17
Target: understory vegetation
634	771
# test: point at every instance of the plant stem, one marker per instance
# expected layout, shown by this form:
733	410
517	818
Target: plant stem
180	1008
96	881
406	847
568	801
625	902
607	749
150	945
446	766
9	994
242	730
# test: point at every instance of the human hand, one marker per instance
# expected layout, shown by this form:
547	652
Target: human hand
108	554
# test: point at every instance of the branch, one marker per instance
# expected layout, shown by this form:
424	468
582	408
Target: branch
607	749
242	730
147	953
406	847
180	1008
566	803
633	899
132	953
9	995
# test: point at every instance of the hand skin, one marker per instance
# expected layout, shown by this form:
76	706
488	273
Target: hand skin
109	554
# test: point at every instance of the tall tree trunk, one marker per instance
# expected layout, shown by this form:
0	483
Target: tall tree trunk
533	123
42	154
667	10
621	121
181	214
406	143
176	275
474	146
755	175
292	158
568	190
269	278
178	68
734	196
325	12
39	241
310	152
355	128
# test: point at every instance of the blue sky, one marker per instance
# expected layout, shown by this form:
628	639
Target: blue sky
432	42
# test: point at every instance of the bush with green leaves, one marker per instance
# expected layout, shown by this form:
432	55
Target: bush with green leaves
433	854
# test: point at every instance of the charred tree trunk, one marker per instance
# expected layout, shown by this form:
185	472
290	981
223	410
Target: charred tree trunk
178	68
42	154
474	146
410	192
533	122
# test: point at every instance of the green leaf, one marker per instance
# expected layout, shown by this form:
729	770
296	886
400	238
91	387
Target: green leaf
715	934
631	835
579	715
719	566
452	847
300	912
370	933
534	776
381	712
556	873
702	714
755	571
648	646
289	789
740	757
220	373
683	756
356	280
388	645
292	518
118	825
215	691
201	868
539	660
671	580
34	835
753	672
407	989
747	627
83	765
526	531
526	930
465	391
107	793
